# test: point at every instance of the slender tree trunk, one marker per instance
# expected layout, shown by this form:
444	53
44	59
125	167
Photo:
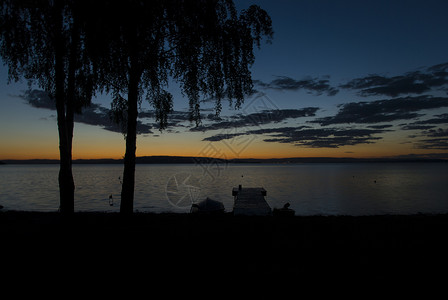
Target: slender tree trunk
69	121
127	191
66	183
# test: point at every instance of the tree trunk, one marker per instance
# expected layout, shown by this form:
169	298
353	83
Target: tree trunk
66	183
127	191
67	174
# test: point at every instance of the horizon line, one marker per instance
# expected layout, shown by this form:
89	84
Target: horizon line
408	157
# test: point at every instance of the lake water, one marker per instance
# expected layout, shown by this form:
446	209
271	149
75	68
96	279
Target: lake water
311	189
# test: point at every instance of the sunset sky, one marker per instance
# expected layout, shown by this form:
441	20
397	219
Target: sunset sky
340	79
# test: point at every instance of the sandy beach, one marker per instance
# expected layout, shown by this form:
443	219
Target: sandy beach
179	248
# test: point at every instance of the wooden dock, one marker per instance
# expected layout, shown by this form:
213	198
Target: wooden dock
250	202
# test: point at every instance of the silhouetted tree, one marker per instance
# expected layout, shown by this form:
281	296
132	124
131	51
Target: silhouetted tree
204	45
44	42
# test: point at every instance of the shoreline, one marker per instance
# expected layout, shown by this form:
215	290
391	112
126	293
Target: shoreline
226	214
41	214
22	217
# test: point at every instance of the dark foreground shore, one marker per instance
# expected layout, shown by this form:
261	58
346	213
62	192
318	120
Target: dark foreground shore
280	253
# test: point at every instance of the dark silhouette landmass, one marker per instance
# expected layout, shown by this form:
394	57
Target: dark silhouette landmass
253	255
201	160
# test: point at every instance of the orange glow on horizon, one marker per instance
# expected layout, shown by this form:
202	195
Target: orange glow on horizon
118	155
255	155
95	143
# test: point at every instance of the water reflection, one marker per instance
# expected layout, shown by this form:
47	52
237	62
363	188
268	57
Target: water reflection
353	189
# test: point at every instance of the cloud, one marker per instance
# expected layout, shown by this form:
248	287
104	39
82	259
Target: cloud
438	133
327	137
94	114
39	99
433	144
337	142
259	118
383	110
312	85
410	83
430	137
427	124
227	136
175	116
440	119
379	126
417	127
222	136
438	139
309	137
97	115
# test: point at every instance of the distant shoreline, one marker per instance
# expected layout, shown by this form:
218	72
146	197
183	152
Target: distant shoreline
202	160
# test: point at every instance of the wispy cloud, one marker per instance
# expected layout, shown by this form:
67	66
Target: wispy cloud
435	139
410	83
311	85
327	137
433	144
334	132
94	114
258	118
439	119
383	110
309	137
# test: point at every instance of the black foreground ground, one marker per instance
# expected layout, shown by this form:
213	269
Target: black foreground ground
184	253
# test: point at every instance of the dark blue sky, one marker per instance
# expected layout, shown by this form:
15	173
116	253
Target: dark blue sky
353	38
341	78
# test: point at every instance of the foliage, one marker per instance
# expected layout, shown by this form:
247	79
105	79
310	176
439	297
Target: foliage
32	32
204	46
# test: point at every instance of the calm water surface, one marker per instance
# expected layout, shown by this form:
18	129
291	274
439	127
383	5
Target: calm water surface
327	189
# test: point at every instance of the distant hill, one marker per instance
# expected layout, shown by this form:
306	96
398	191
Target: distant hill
174	160
210	160
139	160
30	161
